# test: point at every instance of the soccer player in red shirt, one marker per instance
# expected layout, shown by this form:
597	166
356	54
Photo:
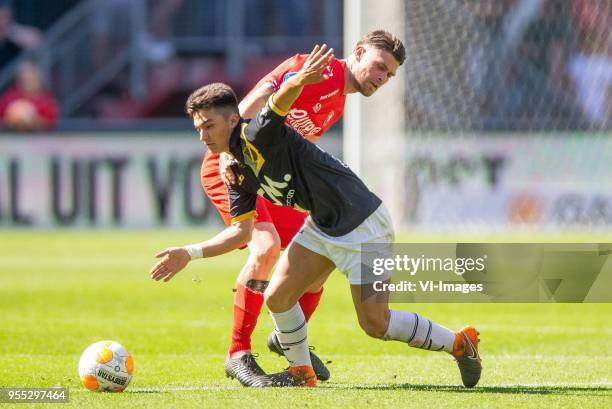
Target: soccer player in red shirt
319	106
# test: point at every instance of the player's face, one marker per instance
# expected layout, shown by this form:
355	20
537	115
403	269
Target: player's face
374	69
215	128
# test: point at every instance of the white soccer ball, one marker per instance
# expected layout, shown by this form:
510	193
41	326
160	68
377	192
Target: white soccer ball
106	366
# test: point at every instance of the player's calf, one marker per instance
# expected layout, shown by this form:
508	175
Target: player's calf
419	332
374	324
264	250
248	300
291	330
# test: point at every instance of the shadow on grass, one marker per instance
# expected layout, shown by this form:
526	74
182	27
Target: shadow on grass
506	389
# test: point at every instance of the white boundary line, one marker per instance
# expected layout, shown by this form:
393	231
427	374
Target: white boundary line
406	386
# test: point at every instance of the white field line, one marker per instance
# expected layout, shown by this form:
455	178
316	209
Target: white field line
545	328
152	389
490	357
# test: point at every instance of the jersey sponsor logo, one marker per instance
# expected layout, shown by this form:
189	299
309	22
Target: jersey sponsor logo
290	195
288	75
273	189
331	94
317	107
299	120
289	201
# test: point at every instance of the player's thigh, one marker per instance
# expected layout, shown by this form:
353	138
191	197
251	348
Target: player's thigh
264	249
265	244
265	236
298	271
287	221
372	309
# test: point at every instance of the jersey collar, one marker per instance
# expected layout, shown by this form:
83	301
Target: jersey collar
234	142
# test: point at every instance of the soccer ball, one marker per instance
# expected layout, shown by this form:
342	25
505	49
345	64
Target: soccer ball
106	366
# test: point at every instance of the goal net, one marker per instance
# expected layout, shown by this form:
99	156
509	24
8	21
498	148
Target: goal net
500	120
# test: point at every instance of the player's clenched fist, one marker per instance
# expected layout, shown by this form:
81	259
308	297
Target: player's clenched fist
225	168
173	260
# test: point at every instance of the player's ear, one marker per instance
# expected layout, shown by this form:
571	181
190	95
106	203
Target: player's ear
359	50
233	119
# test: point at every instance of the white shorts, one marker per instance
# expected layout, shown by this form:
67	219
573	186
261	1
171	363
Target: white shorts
348	252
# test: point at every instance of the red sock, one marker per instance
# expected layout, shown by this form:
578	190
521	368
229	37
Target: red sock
309	302
247	306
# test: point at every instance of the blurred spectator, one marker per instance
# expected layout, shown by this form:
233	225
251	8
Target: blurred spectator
591	66
27	106
157	41
112	27
15	38
536	79
547	43
488	16
482	57
523	83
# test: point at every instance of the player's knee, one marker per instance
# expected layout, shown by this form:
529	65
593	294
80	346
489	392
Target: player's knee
276	301
374	326
266	252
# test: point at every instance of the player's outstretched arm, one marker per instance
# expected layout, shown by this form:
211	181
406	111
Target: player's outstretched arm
267	127
312	72
174	259
255	101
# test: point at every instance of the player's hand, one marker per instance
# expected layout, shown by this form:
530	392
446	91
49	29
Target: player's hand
173	260
313	70
227	175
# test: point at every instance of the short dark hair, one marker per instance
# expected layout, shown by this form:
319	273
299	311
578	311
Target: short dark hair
215	95
384	40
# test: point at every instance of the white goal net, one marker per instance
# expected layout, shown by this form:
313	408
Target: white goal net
500	119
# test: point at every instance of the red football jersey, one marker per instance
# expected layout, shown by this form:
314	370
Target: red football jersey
317	108
319	105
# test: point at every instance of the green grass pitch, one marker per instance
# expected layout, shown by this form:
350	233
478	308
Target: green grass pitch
61	291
